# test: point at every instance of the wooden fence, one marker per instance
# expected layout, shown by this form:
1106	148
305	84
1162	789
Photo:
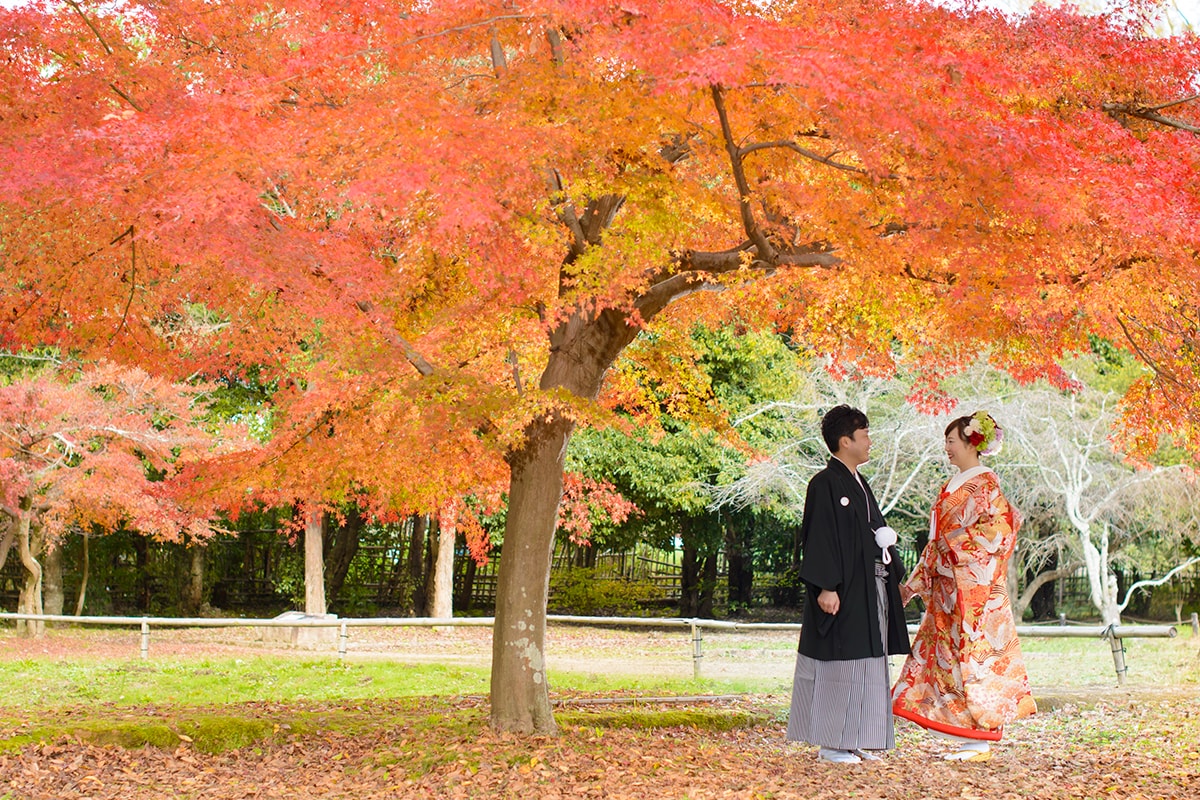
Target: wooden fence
1114	634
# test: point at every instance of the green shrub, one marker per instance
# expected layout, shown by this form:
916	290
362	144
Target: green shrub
577	590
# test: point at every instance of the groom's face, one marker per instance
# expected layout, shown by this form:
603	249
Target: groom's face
856	449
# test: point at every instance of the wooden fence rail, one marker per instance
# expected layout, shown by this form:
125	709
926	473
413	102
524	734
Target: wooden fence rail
1115	634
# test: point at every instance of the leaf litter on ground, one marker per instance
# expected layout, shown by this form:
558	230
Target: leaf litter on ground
1122	746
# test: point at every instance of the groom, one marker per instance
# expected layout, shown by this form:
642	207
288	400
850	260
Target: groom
853	618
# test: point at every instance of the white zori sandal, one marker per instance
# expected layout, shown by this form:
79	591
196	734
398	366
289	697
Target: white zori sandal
970	751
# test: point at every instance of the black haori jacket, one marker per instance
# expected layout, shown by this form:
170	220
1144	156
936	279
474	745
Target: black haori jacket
837	538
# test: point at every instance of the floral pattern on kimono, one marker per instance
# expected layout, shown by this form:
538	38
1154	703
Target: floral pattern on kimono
965	675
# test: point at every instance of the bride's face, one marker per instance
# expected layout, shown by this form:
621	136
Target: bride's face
961	453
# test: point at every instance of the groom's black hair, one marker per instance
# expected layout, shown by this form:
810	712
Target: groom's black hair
841	421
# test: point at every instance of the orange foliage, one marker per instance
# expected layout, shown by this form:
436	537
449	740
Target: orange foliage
343	191
586	502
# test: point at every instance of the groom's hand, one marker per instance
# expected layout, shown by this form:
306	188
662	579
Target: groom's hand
829	601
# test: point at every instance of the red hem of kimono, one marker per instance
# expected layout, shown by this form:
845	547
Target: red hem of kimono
941	727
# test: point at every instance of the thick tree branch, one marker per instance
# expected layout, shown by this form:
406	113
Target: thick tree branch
1042	579
1150	113
556	48
6	540
694	272
587	231
753	232
499	61
650	302
516	369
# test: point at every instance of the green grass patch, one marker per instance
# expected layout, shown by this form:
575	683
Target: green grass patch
34	684
1086	663
602	683
62	683
209	732
708	719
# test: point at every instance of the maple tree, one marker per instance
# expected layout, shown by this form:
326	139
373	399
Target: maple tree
91	451
443	222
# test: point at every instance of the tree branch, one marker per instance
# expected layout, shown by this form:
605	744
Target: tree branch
1174	103
755	234
1157	581
1042	579
660	295
828	160
6	540
88	22
1145	357
461	28
418	361
132	279
1150	114
125	97
556	49
499	61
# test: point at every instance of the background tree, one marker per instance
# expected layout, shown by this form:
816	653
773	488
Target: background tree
90	450
1065	442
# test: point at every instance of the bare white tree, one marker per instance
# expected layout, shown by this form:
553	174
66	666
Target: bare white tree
906	450
1062	441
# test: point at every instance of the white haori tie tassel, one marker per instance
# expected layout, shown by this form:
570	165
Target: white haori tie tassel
885	537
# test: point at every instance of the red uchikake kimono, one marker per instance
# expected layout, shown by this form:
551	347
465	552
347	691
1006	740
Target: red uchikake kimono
965	675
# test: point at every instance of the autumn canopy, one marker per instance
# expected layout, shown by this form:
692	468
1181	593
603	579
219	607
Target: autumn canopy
438	224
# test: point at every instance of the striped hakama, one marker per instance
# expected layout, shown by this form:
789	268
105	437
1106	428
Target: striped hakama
845	705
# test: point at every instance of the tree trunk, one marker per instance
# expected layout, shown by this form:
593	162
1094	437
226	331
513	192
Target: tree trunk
193	587
708	587
141	550
83	578
467	589
6	540
442	605
739	556
53	598
582	348
1040	590
429	557
416	566
30	599
1102	582
689	578
520	695
341	554
314	565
